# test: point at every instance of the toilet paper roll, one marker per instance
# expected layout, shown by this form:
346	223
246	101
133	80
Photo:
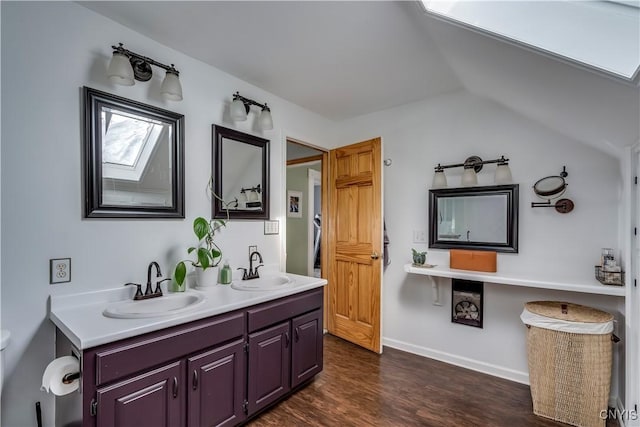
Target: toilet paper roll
55	372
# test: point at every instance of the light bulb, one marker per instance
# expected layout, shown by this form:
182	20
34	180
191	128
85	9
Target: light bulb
238	110
503	174
120	70
439	180
469	177
266	122
171	88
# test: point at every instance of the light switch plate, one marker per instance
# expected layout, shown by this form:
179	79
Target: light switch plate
59	270
272	227
419	236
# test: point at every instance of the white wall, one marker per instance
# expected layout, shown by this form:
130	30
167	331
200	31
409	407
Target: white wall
446	130
49	51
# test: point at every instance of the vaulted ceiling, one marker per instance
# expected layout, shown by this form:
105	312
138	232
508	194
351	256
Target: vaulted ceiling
345	59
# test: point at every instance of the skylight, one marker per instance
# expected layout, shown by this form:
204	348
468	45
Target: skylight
603	35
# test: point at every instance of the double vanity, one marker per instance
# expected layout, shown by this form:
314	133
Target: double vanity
214	357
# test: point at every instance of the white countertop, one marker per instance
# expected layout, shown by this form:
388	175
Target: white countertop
80	318
589	286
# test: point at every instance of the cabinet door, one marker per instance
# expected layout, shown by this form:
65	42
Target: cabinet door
216	386
306	350
269	366
152	399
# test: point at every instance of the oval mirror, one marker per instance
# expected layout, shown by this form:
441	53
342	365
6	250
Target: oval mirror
550	186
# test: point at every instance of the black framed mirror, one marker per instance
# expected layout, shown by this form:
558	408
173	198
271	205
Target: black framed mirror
482	218
241	175
134	158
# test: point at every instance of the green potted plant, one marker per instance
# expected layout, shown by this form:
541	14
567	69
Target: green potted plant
208	254
419	258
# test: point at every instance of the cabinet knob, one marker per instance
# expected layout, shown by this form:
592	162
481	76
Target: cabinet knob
297	334
175	387
286	339
194	383
375	255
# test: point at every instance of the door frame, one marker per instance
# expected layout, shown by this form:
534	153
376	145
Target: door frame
313	178
324	200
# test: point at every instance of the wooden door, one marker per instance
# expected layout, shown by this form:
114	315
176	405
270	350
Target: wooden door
355	243
152	399
216	384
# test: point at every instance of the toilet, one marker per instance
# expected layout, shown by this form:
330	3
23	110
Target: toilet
4	340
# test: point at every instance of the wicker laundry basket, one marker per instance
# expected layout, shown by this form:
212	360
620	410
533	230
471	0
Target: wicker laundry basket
569	349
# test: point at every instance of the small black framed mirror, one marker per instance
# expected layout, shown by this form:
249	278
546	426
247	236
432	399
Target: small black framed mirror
481	218
241	175
134	158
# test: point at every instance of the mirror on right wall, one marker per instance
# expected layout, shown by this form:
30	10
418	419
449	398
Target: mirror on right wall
481	218
241	175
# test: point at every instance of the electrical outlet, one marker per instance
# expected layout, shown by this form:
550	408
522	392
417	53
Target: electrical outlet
419	236
252	249
59	270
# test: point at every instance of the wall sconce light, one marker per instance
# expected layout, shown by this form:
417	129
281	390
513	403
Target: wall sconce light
240	108
472	165
125	66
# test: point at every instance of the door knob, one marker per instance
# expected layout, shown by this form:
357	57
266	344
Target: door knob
375	255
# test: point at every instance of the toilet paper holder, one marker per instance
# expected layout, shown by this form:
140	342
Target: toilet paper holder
69	378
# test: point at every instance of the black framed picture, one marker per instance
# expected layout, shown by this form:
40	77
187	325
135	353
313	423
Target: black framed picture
466	302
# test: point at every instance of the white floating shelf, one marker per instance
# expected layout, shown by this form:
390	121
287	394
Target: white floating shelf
585	286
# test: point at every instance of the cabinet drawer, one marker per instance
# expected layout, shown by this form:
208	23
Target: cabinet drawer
137	354
277	311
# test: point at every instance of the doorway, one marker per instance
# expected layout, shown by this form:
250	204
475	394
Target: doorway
305	201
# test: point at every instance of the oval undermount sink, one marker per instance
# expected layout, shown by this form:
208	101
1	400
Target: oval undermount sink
268	283
166	305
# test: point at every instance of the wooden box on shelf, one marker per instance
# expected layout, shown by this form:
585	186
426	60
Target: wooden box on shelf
473	260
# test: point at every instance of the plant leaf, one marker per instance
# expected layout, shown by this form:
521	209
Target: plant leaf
203	257
180	273
191	249
200	227
215	253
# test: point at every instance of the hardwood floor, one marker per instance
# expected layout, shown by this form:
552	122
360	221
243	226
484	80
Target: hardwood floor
360	388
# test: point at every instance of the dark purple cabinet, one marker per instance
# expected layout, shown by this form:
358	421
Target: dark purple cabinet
153	399
216	386
216	371
269	366
306	348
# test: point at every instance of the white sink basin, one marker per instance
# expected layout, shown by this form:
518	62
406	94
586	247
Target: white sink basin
268	283
166	305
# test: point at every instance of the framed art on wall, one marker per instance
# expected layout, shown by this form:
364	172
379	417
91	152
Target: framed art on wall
294	204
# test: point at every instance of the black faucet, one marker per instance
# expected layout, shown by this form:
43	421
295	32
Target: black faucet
157	292
148	292
253	272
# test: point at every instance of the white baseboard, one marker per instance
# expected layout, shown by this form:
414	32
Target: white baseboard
485	368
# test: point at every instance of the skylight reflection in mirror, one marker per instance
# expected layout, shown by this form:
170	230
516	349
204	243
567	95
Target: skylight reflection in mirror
125	136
